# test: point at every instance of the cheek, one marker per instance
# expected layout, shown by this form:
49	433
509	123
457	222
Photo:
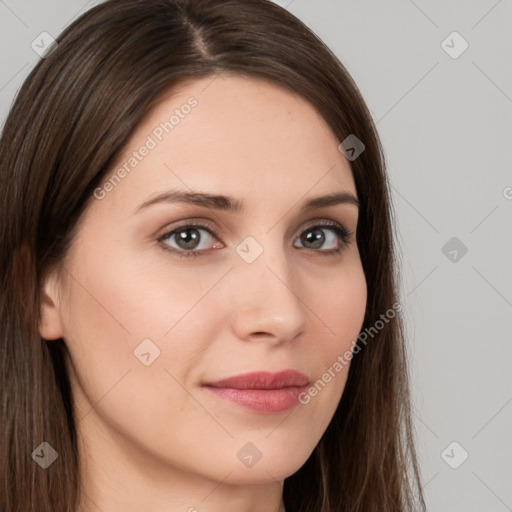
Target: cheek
145	296
340	310
112	314
117	303
342	307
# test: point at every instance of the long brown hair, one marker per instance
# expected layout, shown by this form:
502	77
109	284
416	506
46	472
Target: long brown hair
71	117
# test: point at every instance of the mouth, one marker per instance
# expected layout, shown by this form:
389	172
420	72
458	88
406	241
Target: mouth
263	392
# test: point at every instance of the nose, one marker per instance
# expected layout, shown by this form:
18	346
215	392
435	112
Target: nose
267	300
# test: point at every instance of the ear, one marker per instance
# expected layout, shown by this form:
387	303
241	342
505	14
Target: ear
50	323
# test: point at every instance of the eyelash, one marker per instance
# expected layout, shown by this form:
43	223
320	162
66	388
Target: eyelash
343	233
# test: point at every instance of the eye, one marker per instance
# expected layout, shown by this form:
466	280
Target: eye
314	237
188	239
190	243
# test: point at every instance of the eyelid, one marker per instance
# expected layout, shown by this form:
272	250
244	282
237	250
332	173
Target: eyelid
204	223
322	222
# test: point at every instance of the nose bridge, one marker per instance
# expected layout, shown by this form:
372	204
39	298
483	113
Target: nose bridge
268	295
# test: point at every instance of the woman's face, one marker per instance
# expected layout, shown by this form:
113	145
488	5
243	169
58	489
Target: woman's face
260	290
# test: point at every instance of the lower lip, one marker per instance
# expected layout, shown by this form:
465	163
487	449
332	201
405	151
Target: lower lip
266	401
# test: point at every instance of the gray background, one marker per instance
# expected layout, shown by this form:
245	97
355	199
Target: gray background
446	129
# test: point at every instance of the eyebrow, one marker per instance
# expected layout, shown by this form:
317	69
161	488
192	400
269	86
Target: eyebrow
230	204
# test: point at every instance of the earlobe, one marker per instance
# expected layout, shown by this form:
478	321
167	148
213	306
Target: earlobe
50	324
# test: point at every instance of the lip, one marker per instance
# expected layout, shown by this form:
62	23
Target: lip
262	380
263	392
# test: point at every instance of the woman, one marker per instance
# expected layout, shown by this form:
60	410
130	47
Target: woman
199	307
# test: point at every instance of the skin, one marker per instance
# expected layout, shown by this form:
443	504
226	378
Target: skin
151	437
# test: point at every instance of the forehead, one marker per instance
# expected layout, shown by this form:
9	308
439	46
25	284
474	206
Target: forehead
232	133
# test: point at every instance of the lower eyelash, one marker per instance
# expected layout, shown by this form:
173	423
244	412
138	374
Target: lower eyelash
344	234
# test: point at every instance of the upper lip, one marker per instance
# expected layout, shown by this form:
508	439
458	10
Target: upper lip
262	380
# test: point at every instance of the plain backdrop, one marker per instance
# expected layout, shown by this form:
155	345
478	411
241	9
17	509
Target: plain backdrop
437	77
